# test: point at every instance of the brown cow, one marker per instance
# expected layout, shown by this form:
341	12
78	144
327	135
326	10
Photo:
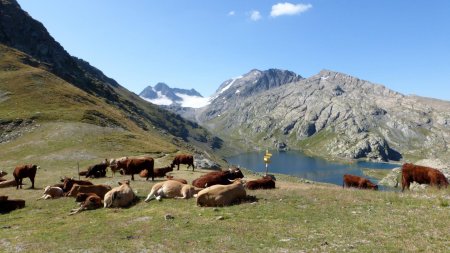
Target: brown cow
98	189
81	197
265	182
69	182
218	177
24	171
422	175
358	182
91	202
133	166
158	172
183	159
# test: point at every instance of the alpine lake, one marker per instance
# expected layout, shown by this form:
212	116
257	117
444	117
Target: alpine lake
295	163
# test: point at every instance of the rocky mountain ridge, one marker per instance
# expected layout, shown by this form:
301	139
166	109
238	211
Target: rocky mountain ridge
332	115
162	94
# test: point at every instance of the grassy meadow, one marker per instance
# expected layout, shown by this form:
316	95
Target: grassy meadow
295	217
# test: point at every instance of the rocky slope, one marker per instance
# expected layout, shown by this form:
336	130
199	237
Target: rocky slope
331	115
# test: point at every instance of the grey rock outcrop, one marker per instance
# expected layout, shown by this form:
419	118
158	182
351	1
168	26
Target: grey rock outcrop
329	114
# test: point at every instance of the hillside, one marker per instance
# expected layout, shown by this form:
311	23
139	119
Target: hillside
41	84
332	115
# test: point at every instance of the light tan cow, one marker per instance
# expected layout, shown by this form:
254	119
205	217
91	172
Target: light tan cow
120	196
52	192
172	189
221	195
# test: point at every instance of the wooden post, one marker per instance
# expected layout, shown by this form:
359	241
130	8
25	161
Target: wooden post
78	166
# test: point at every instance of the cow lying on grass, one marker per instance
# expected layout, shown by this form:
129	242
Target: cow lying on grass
218	177
222	195
265	182
158	172
422	175
121	196
69	182
97	170
51	192
98	189
172	189
91	202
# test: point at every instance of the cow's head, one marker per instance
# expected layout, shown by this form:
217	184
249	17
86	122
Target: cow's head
127	182
235	173
3	173
372	186
68	183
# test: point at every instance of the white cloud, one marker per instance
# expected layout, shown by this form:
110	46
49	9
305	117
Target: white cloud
193	101
281	9
231	13
255	15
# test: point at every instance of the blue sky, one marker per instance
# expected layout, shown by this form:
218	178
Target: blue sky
404	45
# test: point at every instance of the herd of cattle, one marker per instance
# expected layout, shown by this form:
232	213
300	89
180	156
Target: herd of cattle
218	188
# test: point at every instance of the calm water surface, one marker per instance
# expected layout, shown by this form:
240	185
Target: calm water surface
295	163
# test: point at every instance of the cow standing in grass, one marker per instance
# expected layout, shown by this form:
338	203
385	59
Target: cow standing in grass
422	175
24	171
183	159
131	166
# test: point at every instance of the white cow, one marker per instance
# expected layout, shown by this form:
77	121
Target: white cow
52	192
172	189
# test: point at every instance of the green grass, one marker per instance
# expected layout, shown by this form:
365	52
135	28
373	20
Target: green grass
295	217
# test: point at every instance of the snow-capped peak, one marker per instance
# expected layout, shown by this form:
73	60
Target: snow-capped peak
162	94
